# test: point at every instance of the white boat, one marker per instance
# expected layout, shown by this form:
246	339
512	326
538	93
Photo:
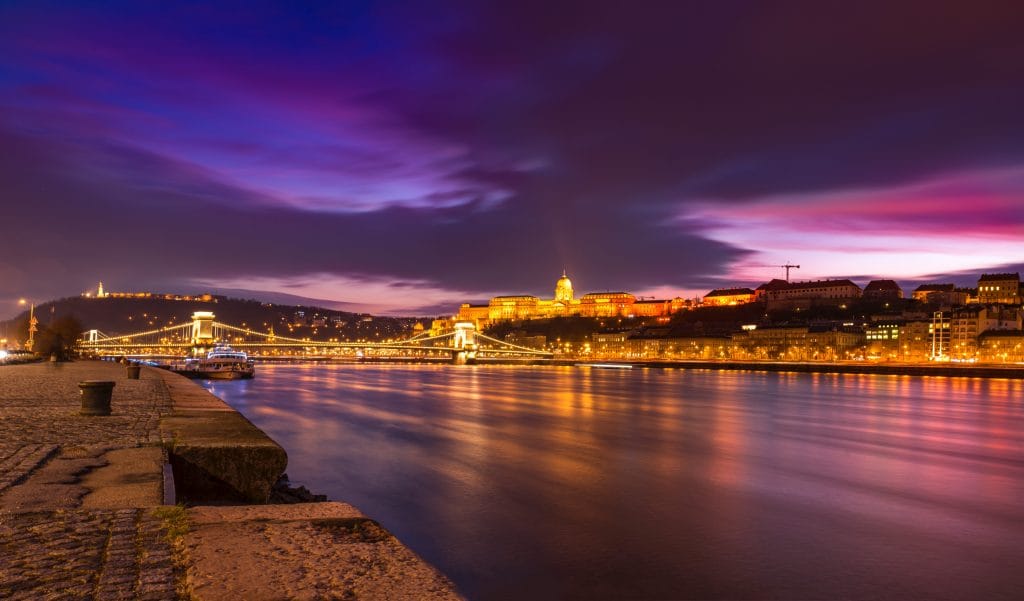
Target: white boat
221	363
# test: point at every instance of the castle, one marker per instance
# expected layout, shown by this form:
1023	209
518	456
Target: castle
565	303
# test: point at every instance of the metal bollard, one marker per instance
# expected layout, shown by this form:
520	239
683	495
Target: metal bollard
96	396
133	371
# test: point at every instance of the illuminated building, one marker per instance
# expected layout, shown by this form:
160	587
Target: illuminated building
659	308
606	304
882	340
967	324
1001	346
563	290
938	336
915	340
608	345
502	308
925	292
999	288
102	293
797	343
780	343
728	296
475	313
565	303
946	295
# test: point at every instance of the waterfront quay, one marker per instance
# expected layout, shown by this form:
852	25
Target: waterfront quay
166	498
849	367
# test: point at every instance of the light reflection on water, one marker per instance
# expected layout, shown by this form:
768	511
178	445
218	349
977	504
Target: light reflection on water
578	483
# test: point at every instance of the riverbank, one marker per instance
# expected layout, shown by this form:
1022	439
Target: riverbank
892	369
87	503
961	370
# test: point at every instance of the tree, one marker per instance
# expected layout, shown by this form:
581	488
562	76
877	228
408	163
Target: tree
59	337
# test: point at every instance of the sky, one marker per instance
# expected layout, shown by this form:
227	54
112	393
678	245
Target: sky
404	157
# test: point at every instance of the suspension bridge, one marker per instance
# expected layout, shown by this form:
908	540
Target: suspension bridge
461	344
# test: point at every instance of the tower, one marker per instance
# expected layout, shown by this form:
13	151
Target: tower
563	289
202	329
99	291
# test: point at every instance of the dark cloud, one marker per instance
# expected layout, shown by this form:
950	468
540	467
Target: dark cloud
475	147
735	100
129	230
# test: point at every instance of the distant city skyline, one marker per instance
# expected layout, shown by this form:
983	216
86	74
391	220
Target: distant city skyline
401	159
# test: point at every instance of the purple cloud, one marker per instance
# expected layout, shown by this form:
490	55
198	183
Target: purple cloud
474	149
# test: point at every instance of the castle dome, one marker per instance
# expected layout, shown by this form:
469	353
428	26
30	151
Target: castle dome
563	289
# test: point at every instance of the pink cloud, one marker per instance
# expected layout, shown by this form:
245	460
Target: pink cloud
957	222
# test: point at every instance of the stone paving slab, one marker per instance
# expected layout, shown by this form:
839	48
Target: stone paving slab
130	478
303	552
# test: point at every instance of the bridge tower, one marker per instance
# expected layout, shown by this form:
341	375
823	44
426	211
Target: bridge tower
464	342
92	336
202	330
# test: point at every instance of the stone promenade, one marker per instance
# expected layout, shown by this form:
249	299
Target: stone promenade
82	512
77	493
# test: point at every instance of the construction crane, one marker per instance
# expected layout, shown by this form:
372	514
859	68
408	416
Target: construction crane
787	267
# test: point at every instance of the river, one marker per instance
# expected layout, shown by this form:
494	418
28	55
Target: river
580	483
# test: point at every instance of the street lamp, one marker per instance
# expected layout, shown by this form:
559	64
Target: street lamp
31	321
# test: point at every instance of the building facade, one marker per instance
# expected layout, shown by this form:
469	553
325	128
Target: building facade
728	296
565	303
946	295
883	290
999	288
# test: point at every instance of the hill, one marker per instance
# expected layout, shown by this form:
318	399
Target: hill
125	315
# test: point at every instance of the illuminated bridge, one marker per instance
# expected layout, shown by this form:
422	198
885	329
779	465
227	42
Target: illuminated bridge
462	343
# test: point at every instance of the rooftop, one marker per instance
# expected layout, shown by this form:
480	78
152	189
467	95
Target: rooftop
822	284
935	288
728	292
881	285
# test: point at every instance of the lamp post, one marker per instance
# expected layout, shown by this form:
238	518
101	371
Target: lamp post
31	322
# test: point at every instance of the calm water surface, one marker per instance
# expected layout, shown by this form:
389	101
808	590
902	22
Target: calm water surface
576	483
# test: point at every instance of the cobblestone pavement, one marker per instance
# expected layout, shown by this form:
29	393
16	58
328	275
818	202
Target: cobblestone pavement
39	405
77	554
55	549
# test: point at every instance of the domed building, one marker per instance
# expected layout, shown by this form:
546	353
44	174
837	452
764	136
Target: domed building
563	289
565	303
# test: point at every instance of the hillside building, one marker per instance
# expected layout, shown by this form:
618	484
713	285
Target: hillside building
883	290
999	288
806	294
728	296
945	295
565	303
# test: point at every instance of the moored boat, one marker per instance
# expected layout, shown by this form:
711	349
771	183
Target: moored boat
221	363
